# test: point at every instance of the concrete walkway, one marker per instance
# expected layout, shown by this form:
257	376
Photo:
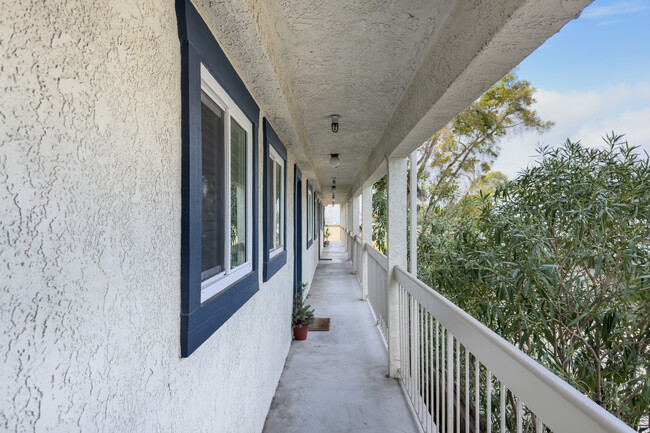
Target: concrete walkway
335	381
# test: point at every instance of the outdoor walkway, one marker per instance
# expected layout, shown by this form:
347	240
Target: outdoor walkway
335	381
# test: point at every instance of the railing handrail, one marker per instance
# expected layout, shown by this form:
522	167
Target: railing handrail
561	407
381	259
358	239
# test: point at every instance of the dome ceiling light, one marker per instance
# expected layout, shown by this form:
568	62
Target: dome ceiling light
334	160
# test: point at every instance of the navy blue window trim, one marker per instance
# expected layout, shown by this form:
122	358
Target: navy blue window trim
273	265
310	214
200	320
316	213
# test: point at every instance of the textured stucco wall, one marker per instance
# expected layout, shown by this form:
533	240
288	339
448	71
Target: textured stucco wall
90	176
309	255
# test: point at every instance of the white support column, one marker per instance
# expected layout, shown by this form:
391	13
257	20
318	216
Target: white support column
355	230
350	215
344	239
396	246
344	221
413	202
366	235
355	215
350	228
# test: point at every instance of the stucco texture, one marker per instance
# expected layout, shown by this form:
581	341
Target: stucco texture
90	211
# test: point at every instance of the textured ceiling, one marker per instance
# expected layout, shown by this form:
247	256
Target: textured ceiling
354	59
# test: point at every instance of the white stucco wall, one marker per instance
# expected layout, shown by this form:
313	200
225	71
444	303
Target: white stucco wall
309	255
90	205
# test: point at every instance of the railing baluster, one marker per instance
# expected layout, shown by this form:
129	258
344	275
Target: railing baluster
426	364
410	346
437	376
539	427
502	407
413	360
519	414
401	333
419	359
457	386
488	406
450	382
443	376
467	390
477	401
431	378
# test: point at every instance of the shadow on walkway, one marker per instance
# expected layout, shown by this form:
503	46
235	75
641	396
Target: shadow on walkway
336	381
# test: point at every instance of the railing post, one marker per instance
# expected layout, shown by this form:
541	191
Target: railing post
366	235
413	204
396	253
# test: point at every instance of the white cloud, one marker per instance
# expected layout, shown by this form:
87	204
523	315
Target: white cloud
634	124
618	8
584	116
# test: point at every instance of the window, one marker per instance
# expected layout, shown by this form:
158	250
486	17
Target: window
276	203
219	223
310	215
226	183
316	217
275	155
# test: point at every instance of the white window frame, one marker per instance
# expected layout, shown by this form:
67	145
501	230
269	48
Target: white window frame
221	281
275	157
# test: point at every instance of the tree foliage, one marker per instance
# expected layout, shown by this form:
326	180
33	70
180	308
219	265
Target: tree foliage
467	147
489	182
379	213
558	262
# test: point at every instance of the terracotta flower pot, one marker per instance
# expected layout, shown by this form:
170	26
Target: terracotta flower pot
300	333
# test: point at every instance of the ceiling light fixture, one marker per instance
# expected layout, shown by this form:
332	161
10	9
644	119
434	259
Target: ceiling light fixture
335	123
334	160
333	188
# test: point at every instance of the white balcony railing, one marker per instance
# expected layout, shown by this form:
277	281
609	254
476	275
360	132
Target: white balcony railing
451	364
461	377
377	271
358	264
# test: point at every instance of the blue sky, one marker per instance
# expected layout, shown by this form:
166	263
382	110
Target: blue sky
592	77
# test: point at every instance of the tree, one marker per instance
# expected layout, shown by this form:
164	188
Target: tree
379	215
469	144
489	182
465	148
558	263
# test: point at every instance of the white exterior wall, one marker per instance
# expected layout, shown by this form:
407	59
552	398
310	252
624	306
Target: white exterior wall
90	204
309	255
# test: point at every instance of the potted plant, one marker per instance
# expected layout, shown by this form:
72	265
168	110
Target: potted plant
303	316
326	242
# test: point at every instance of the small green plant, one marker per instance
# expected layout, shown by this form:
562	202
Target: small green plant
303	314
327	234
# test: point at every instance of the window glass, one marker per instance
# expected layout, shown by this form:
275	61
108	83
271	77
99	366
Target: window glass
279	196
276	202
272	203
237	194
213	189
